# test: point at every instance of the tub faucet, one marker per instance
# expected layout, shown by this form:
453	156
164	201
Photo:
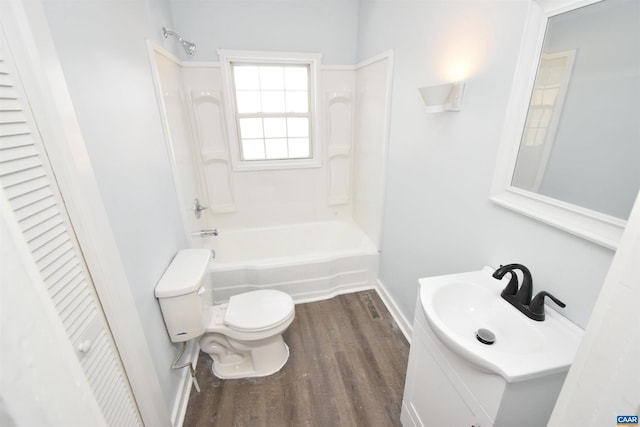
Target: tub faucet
205	233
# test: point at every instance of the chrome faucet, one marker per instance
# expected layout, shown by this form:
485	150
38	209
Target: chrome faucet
198	208
205	233
521	298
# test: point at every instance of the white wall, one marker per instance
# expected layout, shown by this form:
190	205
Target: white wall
325	26
101	45
372	113
438	218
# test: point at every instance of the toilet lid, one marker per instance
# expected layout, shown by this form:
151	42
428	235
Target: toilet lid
258	310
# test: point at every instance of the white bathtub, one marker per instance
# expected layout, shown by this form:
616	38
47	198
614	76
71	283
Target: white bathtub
308	261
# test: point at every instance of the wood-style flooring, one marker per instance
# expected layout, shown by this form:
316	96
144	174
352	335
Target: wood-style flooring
347	367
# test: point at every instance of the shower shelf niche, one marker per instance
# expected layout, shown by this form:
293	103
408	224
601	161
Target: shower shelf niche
211	134
340	112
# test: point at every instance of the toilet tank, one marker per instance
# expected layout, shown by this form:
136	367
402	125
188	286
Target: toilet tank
180	294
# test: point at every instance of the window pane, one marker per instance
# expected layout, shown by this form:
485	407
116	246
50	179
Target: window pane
298	148
530	137
536	98
557	71
549	96
271	78
540	136
273	102
248	101
296	78
546	118
276	148
253	149
246	77
275	127
297	102
273	112
251	128
534	118
298	127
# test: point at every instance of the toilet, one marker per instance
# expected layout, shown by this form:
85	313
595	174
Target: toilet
243	336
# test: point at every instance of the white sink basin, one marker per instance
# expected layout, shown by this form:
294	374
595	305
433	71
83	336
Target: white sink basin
457	305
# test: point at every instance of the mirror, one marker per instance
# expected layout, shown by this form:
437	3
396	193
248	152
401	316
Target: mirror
573	160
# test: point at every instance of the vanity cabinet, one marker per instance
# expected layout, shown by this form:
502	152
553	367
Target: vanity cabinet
442	389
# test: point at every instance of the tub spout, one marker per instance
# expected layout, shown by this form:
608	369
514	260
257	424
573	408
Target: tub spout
205	233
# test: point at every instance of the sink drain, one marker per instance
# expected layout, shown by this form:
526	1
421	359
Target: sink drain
485	336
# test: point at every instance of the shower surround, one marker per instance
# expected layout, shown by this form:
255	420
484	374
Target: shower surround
312	232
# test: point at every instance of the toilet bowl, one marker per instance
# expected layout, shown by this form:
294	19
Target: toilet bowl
243	337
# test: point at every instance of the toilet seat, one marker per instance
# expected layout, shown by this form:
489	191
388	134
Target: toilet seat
257	311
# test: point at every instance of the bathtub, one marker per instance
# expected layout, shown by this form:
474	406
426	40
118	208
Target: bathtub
308	261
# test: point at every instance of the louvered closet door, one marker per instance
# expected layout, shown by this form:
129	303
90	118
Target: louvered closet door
31	189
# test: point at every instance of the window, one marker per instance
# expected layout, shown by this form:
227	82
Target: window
272	100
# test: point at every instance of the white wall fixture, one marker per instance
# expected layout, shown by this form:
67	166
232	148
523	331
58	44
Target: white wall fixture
444	97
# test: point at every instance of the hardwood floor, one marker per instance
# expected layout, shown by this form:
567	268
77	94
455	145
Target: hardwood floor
347	367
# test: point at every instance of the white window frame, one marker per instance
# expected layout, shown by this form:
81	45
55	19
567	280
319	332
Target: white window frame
227	57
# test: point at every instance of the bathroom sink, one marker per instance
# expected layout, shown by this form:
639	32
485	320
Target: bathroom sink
458	305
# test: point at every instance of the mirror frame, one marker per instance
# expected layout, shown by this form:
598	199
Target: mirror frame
594	226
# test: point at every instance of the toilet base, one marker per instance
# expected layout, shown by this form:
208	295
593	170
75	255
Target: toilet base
244	359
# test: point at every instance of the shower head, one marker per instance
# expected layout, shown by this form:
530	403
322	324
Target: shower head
188	46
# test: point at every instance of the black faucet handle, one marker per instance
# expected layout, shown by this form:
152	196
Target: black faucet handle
512	286
537	303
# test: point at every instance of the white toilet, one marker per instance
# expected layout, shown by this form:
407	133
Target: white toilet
243	337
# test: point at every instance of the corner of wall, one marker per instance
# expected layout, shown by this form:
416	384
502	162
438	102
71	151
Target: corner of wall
401	320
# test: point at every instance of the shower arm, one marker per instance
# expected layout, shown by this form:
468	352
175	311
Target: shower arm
166	33
187	46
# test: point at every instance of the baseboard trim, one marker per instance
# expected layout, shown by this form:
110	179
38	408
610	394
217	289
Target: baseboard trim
405	326
184	390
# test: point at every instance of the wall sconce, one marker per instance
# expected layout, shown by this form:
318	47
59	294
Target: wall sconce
445	97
